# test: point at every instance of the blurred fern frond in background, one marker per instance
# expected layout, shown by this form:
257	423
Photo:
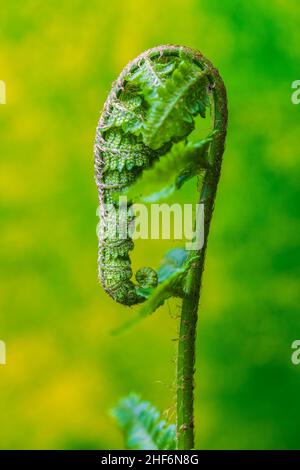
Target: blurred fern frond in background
142	427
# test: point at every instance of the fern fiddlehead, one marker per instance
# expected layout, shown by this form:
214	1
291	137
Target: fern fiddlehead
151	108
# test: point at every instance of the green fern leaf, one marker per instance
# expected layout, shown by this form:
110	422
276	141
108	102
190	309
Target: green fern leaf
171	171
142	427
127	113
151	75
170	275
174	106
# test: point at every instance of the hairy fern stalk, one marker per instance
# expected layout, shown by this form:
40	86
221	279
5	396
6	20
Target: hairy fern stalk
145	129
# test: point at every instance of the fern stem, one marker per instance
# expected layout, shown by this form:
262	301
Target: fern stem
186	361
192	285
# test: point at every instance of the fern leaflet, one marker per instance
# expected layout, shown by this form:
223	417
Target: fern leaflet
142	427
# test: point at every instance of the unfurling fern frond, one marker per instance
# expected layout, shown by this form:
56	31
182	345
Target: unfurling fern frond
151	108
146	124
142	427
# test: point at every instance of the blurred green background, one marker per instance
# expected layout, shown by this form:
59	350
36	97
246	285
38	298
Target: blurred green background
64	371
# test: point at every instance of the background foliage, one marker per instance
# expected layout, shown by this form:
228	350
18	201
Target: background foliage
64	370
